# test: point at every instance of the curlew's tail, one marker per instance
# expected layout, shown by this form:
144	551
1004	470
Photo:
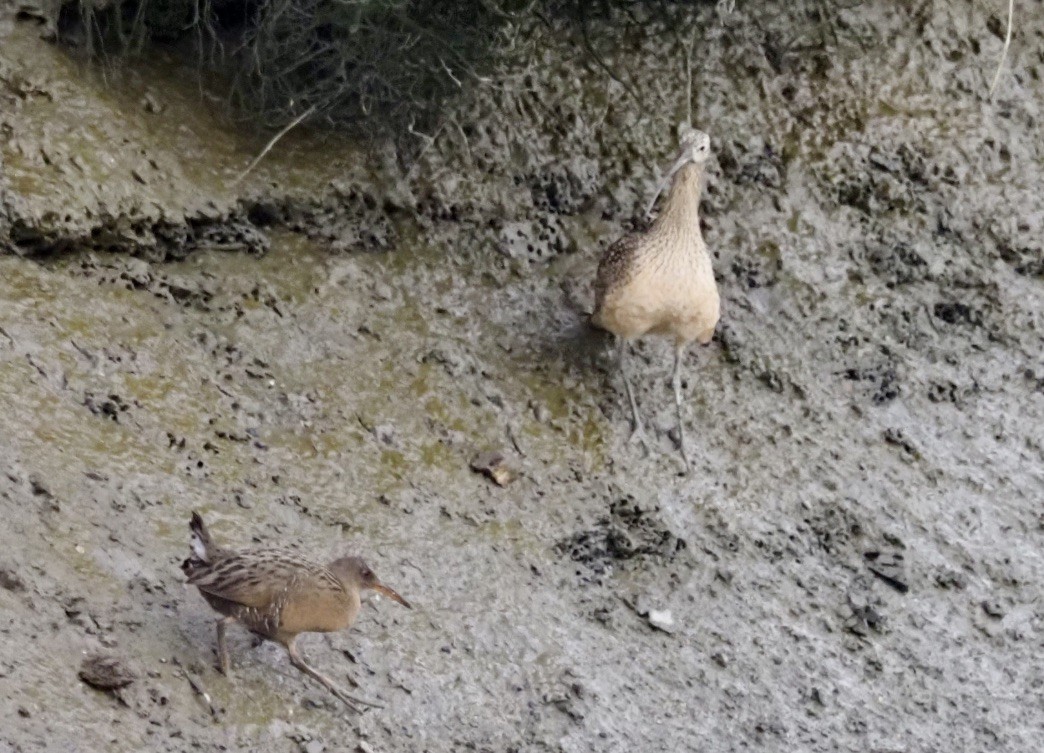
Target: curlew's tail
202	547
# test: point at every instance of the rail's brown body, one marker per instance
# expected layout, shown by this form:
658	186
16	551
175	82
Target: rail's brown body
278	594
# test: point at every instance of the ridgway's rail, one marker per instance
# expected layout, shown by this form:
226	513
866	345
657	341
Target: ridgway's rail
278	595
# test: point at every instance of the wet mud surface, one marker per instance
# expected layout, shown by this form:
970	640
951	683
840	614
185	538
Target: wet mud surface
316	355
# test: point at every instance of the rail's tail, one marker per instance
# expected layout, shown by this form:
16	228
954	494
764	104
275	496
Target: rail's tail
202	547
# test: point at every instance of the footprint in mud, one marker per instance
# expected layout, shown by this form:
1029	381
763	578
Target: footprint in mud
631	530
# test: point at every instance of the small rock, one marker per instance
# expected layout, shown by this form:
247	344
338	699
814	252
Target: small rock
313	746
106	672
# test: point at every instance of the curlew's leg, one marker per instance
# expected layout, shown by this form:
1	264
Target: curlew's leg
350	701
222	644
678	352
637	432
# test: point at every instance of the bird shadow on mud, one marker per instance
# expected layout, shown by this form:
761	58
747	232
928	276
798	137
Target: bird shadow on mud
570	341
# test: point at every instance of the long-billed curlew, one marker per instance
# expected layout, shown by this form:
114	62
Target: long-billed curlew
279	595
661	281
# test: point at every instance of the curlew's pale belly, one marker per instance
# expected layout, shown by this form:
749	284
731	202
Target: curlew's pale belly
680	304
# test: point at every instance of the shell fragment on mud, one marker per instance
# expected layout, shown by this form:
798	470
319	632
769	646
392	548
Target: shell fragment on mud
493	466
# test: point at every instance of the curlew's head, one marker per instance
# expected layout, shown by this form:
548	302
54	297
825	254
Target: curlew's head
694	150
353	572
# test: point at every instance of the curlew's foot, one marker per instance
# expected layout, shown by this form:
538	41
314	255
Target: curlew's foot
637	437
686	465
679	444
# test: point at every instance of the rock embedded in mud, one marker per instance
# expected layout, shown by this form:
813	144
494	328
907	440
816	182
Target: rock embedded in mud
947	579
861	614
10	580
897	438
106	672
993	608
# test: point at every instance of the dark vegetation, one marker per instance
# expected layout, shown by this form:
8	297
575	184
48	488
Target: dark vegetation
345	61
361	65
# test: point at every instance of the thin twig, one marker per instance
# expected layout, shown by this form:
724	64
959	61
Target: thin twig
449	73
688	80
83	351
197	688
1007	44
598	59
429	141
268	147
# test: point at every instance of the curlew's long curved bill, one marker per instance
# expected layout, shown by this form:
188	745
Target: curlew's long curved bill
391	594
678	164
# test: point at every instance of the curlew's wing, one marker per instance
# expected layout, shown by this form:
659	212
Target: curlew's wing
614	266
259	577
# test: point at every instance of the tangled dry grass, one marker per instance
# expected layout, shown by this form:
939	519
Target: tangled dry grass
350	62
363	65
